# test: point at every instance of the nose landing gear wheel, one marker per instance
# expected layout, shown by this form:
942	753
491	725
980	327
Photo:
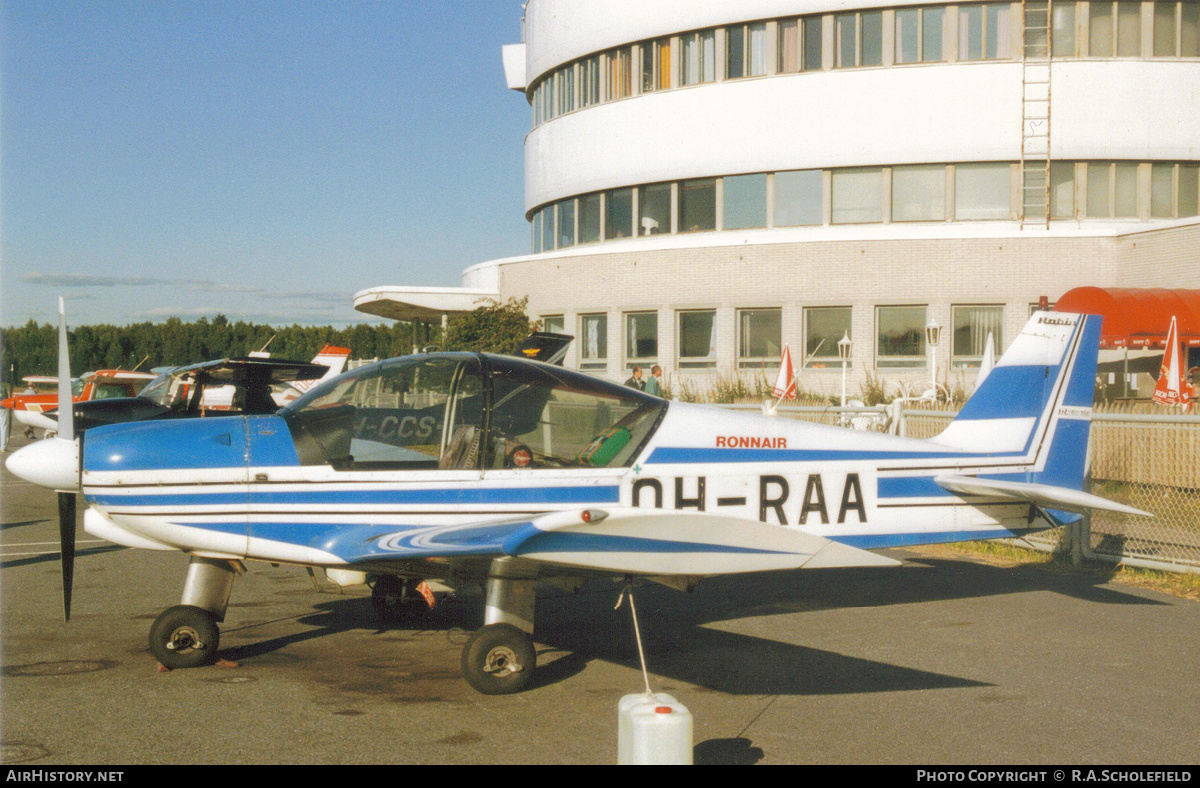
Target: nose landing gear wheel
185	636
498	659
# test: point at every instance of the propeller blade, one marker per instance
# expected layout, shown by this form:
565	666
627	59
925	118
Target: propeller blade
66	405
66	537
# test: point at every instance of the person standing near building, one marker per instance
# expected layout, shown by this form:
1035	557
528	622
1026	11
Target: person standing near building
653	383
635	381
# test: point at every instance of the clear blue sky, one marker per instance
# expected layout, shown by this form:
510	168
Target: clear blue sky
265	160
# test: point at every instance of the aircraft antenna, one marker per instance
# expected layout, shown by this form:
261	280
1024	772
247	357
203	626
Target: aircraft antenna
637	633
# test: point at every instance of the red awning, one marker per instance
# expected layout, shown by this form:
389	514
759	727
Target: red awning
1137	318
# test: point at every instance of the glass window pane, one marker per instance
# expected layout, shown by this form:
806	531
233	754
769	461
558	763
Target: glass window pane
900	338
1063	33
798	198
641	335
663	62
1099	184
1062	190
813	38
933	22
789	46
999	31
745	201
908	35
970	32
548	228
698	335
1125	191
1189	190
973	327
847	40
735	52
760	334
858	195
654	204
566	223
1100	29
872	39
919	193
1164	29
1189	30
593	351
589	218
1129	29
618	214
756	44
982	191
555	324
698	205
824	327
536	225
1162	187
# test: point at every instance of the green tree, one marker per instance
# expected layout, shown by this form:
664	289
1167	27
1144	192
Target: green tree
493	327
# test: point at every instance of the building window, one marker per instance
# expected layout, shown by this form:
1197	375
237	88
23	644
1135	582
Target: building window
919	193
641	336
900	332
618	214
800	44
656	65
620	73
859	39
746	50
697	338
760	337
565	80
566	223
799	198
985	32
589	218
589	81
698	57
973	327
1189	190
1062	190
982	191
824	327
593	351
1114	28
1112	189
548	228
1177	29
919	34
745	202
535	241
555	324
654	209
858	195
1062	31
698	205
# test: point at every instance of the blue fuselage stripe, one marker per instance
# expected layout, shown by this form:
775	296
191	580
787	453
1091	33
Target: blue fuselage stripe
588	494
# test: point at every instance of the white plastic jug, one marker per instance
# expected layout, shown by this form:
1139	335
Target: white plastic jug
653	729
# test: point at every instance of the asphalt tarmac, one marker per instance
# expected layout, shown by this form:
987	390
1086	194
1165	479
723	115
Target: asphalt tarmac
940	661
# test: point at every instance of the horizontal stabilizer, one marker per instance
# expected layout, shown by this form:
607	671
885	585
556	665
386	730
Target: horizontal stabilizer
1044	495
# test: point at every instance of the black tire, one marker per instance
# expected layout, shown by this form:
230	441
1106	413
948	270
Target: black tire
499	659
185	636
397	601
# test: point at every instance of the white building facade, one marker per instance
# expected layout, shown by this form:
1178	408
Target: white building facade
708	181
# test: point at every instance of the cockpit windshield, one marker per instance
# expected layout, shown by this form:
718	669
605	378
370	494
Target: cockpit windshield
439	411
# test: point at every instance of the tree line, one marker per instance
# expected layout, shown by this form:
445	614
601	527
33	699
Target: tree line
32	349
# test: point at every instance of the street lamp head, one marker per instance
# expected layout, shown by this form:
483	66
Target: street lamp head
844	346
933	332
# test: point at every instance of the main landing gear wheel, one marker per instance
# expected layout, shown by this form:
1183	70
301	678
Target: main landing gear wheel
498	659
396	600
185	636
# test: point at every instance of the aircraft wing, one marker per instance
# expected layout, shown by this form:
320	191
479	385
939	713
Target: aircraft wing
625	541
269	370
1044	495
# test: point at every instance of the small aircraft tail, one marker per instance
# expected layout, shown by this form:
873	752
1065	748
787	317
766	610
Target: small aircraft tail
1036	407
331	356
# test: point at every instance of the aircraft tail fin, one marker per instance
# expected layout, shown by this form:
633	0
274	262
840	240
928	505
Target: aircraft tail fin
331	356
1037	401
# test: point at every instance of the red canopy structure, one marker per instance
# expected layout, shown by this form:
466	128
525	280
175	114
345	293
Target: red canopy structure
1137	318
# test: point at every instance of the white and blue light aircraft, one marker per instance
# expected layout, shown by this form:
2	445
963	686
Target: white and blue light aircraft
473	468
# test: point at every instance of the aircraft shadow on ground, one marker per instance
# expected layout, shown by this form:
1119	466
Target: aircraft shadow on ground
55	558
573	630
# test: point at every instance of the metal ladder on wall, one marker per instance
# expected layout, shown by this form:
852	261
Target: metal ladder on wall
1035	113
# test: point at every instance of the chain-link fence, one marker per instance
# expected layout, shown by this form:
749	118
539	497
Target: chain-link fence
1142	455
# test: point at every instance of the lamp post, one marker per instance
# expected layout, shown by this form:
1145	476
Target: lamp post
844	353
933	333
